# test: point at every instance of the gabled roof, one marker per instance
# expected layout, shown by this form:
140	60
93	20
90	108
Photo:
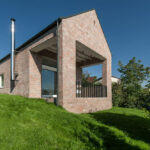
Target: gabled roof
50	26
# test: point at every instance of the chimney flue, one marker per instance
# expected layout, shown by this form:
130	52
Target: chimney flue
12	47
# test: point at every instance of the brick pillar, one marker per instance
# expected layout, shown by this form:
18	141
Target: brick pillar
106	76
78	73
104	73
66	67
35	69
59	67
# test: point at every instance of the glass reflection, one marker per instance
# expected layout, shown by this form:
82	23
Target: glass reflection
48	82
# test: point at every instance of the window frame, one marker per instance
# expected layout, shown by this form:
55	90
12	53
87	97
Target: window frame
53	69
2	81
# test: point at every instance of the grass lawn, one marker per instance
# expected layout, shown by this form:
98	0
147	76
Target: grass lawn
32	124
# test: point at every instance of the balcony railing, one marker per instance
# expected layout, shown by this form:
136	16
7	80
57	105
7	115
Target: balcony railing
90	90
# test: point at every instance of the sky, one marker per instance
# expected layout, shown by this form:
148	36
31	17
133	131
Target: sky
126	25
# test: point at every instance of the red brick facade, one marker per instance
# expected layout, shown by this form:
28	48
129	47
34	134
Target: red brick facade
84	28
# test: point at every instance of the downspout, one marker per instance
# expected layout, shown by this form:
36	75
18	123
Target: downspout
12	48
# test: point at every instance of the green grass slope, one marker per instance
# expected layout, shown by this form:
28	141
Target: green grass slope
32	124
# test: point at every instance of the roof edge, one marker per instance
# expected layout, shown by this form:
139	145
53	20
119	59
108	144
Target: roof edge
77	14
50	26
5	57
53	24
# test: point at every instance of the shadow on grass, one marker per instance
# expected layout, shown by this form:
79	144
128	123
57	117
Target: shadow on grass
109	140
136	127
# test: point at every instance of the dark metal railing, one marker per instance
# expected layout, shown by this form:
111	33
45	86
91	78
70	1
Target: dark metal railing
90	90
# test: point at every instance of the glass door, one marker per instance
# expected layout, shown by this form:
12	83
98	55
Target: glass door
49	81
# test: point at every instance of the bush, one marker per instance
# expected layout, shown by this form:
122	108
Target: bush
130	97
117	95
144	99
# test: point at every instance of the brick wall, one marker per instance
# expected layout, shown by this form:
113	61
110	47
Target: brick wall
21	68
5	70
35	70
28	67
86	29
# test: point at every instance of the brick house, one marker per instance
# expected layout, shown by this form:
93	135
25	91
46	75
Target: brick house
49	64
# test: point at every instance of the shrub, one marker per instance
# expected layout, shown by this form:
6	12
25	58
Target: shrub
117	95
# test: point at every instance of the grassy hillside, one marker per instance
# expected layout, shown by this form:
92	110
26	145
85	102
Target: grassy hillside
31	124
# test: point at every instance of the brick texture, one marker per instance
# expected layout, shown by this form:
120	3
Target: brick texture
84	28
21	68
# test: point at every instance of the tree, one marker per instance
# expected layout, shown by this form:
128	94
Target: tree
87	79
117	94
148	85
132	76
134	72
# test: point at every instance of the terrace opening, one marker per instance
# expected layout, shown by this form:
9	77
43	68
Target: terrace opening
87	85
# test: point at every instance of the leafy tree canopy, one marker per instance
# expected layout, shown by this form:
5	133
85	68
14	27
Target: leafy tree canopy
133	73
130	92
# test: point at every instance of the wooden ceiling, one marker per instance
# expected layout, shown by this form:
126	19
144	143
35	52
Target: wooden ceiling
84	55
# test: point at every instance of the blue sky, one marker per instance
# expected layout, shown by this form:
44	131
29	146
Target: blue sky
126	24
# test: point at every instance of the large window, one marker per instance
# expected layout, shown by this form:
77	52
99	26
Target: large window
49	83
1	81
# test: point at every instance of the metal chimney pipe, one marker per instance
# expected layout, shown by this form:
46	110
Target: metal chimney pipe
12	46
